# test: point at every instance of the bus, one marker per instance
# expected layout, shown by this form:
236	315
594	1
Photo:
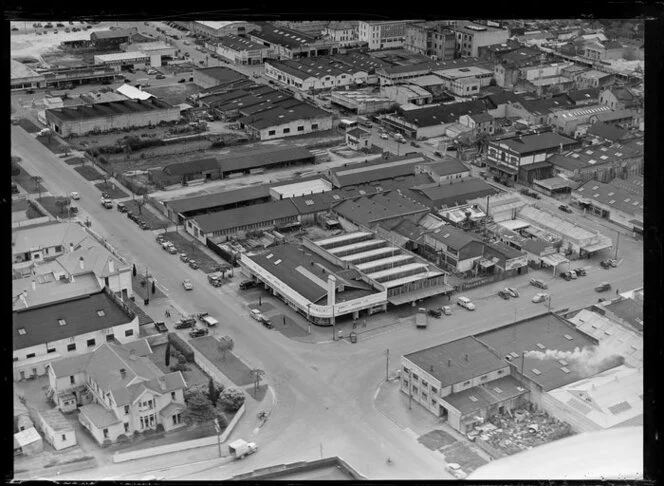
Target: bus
347	124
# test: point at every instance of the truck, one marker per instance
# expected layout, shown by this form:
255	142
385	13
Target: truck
239	448
421	318
107	203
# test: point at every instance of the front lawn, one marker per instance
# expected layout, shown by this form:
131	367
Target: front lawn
195	376
231	366
88	172
110	188
50	204
53	145
24	179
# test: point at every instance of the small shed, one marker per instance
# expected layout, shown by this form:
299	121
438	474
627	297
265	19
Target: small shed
56	429
28	442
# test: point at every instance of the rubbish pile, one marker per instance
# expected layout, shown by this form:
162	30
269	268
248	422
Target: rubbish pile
521	430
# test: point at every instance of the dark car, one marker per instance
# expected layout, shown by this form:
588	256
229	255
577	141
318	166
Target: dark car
504	294
267	323
194	265
185	323
247	284
566	275
541	284
603	287
198	332
581	272
437	313
606	264
161	326
564	208
182	80
414	144
201	315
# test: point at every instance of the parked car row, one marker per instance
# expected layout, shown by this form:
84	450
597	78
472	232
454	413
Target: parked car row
258	316
529	193
608	263
136	219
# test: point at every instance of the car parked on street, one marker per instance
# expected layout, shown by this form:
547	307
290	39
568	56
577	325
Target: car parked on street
160	327
172	250
540	284
437	313
193	264
188	285
540	297
161	76
185	323
447	310
256	314
605	264
603	287
565	208
198	332
504	294
121	207
384	136
466	303
581	272
247	284
75	196
512	291
183	257
456	471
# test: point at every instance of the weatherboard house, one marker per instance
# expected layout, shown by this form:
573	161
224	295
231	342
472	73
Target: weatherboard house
117	391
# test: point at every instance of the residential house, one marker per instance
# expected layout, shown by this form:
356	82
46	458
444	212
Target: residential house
603	51
358	139
28	442
119	391
462	382
482	124
620	99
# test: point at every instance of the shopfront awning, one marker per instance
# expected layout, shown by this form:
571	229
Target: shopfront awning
484	263
419	294
554	259
602	245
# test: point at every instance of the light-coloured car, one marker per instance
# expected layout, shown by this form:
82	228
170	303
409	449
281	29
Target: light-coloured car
455	470
512	291
256	314
540	297
75	196
188	285
447	310
384	136
466	303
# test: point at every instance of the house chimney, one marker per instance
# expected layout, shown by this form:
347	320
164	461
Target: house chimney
132	354
331	287
111	266
34	285
71	279
81	262
123	372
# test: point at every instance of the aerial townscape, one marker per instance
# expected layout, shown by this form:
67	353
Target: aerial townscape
327	250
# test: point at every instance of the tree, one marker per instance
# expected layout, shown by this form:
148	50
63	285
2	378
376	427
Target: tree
154	287
37	180
199	409
134	270
231	399
62	203
212	392
257	373
140	203
225	344
168	354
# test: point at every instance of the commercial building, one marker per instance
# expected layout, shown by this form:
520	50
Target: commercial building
405	73
216	29
432	39
362	102
461	382
612	202
601	162
315	74
471	36
34	244
610	399
576	240
465	81
24	77
385	168
525	157
566	121
287	43
407	95
368	211
280	122
135	59
156	51
439	196
66	317
620	99
109	39
215	76
117	391
453	249
240	50
345	32
104	117
383	34
358	139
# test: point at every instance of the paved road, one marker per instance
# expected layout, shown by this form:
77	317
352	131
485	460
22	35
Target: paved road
325	393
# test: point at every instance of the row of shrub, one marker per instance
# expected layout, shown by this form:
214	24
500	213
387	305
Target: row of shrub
182	346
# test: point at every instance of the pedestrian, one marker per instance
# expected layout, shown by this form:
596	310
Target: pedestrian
354	325
284	319
364	323
166	313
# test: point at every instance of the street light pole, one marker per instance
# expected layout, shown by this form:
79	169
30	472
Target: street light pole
334	326
387	364
617	244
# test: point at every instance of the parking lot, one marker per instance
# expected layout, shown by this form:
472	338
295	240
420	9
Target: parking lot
150	219
189	250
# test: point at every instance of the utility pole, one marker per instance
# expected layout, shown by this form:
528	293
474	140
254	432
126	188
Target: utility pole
218	429
617	245
387	365
410	390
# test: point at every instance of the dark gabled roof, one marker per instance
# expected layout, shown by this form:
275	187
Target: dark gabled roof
279	115
535	142
607	131
496	99
264	158
358	132
192	167
446	167
219	199
441	195
507	251
221	73
236	43
577	95
371	209
456	361
244	216
377	170
612	195
113	108
109	34
545	106
282	36
441	114
453	237
80	315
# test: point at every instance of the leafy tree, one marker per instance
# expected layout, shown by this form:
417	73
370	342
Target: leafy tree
199	409
225	344
168	354
231	399
212	392
134	270
257	373
37	181
62	204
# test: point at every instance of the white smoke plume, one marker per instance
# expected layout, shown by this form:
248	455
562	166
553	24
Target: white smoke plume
587	361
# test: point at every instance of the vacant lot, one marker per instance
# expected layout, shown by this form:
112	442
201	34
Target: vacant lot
89	172
230	365
28	125
436	439
175	94
463	456
25	180
113	191
52	205
53	145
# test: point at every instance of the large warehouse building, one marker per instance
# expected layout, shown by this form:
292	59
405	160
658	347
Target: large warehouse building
110	116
